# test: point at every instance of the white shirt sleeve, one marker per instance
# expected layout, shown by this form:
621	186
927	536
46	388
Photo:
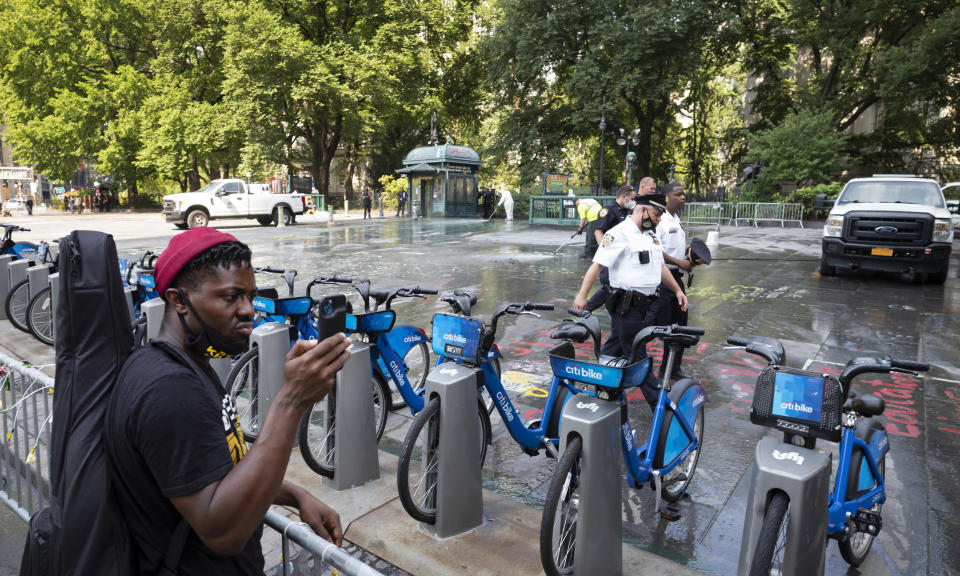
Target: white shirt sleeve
612	245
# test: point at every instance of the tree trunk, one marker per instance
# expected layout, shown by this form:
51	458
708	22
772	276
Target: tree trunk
349	166
193	175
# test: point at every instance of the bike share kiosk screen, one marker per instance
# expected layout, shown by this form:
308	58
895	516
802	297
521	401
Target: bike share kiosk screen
457	338
798	402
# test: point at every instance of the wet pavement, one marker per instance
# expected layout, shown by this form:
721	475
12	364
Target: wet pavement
762	282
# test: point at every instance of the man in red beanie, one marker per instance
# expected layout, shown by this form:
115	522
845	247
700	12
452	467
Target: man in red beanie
175	444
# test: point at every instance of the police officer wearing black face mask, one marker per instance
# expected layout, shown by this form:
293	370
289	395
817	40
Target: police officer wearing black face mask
634	256
612	214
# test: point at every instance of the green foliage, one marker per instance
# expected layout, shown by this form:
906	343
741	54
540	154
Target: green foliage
805	148
390	188
807	195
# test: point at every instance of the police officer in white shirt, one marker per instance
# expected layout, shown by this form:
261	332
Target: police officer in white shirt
674	241
633	254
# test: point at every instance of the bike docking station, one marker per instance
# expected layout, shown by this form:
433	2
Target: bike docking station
37	277
458	496
597	548
153	311
5	283
356	458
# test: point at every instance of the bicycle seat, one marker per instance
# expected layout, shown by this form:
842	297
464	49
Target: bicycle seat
571	332
268	293
868	405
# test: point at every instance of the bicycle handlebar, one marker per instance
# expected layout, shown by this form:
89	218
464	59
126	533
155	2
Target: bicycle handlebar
651	332
911	365
269	269
737	341
884	365
327	280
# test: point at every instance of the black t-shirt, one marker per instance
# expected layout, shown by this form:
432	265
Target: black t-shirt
170	433
611	215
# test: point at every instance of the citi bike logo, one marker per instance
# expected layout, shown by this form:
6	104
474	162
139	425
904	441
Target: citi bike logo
451	337
698	400
794	456
411	338
882	443
592	406
397	373
796	407
627	436
448	371
584	372
505	405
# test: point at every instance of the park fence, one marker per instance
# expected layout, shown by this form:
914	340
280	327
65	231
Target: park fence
561	211
26	408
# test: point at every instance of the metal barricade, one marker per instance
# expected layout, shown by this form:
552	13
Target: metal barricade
323	552
710	213
559	210
758	212
26	407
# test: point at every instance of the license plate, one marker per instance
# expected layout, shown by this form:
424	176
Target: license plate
882	252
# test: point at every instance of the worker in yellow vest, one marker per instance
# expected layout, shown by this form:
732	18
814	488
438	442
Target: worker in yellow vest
589	210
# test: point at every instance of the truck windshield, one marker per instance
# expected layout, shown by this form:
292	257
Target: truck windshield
210	187
895	192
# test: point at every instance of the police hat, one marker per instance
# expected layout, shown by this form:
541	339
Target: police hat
658	201
698	253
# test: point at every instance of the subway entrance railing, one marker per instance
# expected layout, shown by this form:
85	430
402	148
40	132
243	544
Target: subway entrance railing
26	408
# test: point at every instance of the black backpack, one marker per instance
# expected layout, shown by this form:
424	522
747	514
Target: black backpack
82	530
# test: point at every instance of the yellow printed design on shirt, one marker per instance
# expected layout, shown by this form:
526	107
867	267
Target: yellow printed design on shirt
232	429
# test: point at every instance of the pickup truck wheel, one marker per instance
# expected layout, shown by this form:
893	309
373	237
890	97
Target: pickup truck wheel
264	220
826	269
287	216
197	218
940	276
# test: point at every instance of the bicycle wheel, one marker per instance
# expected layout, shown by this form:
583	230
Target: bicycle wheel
417	468
244	389
418	461
40	317
16	305
417	360
318	428
768	556
676	482
558	528
855	547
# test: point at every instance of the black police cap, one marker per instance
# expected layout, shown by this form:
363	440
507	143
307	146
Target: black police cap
658	201
698	252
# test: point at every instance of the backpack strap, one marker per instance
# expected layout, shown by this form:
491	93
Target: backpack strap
177	543
179	539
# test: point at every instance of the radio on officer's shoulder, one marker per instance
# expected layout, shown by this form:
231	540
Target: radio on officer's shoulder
644	256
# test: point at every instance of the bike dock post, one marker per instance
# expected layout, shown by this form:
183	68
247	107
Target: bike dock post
153	310
808	486
5	283
273	339
54	282
355	459
598	546
37	276
459	491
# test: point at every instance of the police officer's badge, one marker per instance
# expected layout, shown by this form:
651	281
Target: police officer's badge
607	240
602	213
655	239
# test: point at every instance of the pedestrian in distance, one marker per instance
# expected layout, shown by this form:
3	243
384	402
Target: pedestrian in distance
29	205
174	441
487	197
401	202
673	238
506	200
73	204
367	202
633	254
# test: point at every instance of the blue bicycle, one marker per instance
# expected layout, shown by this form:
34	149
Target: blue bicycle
26	250
667	460
819	406
460	338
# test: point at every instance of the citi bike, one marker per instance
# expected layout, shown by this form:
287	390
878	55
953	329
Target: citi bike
18	299
791	511
26	250
465	340
667	460
39	315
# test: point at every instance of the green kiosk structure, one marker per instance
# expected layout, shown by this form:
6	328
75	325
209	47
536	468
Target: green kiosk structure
442	181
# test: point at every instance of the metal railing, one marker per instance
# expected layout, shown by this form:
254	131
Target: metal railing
323	552
25	411
711	213
757	212
559	210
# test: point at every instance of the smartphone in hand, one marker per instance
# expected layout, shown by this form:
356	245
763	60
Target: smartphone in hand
331	316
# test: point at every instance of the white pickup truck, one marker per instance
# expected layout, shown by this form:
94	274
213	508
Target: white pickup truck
230	198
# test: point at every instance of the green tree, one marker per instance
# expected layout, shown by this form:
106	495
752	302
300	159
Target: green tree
804	149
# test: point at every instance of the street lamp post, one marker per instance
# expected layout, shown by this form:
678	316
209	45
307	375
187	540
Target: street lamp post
603	133
626	140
